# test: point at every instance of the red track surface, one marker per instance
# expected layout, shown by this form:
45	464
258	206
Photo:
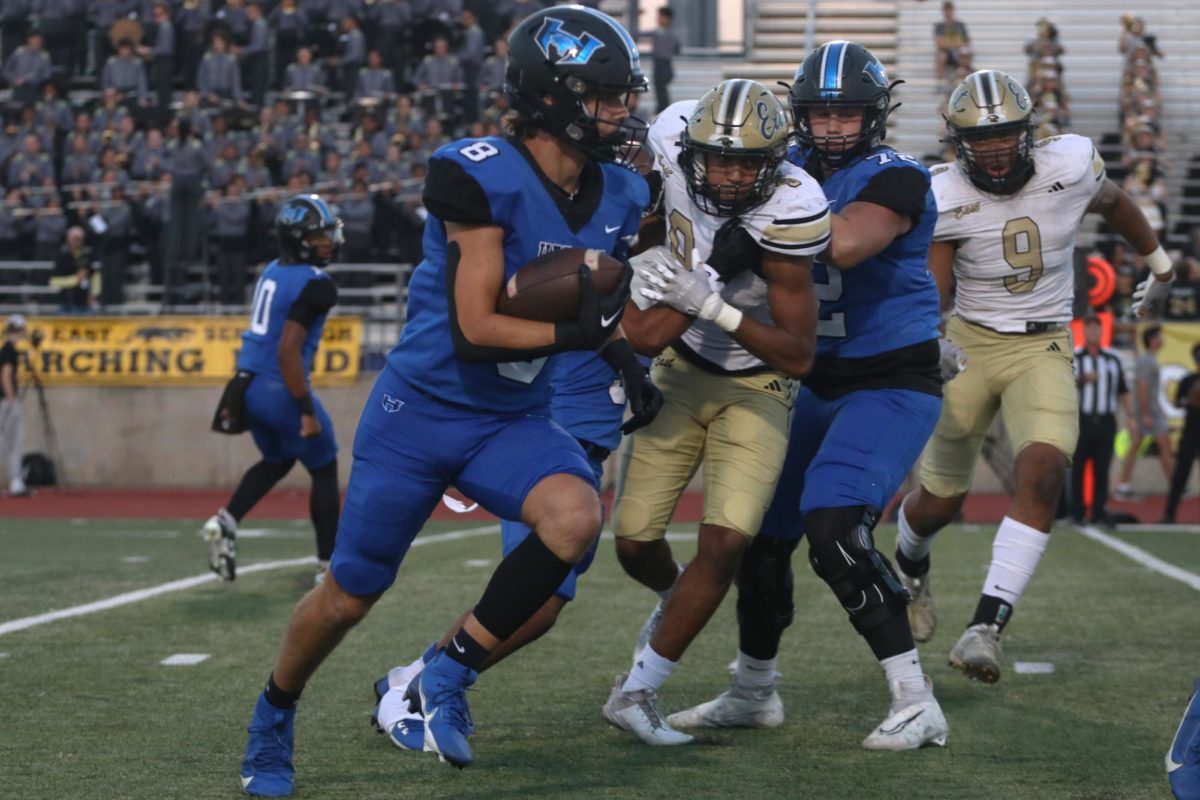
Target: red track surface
293	504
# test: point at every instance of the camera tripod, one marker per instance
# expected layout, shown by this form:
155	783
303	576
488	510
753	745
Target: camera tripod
49	434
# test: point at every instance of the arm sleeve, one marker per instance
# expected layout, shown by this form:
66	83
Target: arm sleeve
453	195
316	298
901	189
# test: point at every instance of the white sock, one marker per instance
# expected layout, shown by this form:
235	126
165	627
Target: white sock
905	678
665	594
650	672
227	520
914	548
754	671
1016	551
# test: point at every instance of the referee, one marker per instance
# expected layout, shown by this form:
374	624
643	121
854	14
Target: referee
1101	383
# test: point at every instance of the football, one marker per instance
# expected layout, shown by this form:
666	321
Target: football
547	288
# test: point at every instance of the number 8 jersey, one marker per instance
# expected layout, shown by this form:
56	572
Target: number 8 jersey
1013	265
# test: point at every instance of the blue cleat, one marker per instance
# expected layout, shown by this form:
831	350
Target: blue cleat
447	719
267	769
1183	760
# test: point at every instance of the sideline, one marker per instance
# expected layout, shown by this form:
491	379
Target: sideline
1140	556
197	580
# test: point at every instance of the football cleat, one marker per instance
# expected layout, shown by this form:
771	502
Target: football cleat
443	686
637	712
922	617
912	725
976	654
647	632
404	726
222	547
267	769
739	707
1183	759
319	576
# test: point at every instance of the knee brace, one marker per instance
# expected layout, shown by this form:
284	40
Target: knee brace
764	582
842	553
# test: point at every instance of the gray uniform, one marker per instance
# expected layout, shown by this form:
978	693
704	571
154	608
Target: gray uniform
126	75
435	72
31	68
303	78
219	75
375	83
1146	370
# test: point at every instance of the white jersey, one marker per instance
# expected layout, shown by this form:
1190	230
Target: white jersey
1014	262
794	221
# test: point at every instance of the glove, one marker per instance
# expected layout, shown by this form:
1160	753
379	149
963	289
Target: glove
734	251
952	359
599	314
1150	297
689	292
640	262
645	399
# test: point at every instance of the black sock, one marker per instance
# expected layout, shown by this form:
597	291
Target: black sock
521	584
466	651
323	508
278	697
891	638
913	569
255	484
992	611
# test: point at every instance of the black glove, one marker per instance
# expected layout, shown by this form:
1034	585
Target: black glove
645	399
599	314
734	251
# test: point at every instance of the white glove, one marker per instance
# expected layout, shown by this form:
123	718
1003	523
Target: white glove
1150	297
642	261
689	292
952	361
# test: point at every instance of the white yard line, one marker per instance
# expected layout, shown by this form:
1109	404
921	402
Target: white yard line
1141	556
1159	528
196	580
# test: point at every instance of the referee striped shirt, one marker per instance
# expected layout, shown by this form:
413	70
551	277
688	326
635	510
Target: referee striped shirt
1099	396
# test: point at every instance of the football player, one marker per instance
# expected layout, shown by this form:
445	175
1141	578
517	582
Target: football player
291	301
464	396
1008	212
864	412
730	311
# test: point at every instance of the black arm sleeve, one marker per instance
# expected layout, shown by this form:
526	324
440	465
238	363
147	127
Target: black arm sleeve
315	299
452	195
901	189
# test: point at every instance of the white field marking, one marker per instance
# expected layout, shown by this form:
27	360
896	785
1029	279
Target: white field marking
1033	667
477	562
3	655
1141	556
1159	528
135	559
269	533
184	659
196	580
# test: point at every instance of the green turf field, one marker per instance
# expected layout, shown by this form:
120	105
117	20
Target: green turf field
88	711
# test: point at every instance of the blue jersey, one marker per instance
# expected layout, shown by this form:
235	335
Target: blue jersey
588	399
494	181
889	301
275	295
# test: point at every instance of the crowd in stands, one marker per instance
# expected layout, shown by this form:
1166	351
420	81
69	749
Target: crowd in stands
169	132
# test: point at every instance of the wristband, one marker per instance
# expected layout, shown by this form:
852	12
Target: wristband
1158	261
305	402
728	318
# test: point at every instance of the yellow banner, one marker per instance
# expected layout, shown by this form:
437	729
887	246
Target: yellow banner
168	351
1175	362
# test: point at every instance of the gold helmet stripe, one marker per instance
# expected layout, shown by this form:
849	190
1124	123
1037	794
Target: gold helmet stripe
731	99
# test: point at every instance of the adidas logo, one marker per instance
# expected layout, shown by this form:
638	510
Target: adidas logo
776	386
1057	187
1054	348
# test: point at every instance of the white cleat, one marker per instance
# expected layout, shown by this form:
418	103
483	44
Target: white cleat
976	654
222	547
739	707
637	712
922	617
647	632
911	726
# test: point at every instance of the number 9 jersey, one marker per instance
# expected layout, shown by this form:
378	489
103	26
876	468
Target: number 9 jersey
1013	265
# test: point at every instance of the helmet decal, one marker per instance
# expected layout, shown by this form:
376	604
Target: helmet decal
876	73
568	48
